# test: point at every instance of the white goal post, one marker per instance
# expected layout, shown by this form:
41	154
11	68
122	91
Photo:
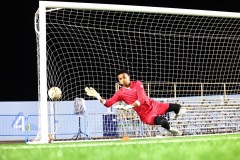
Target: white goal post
84	44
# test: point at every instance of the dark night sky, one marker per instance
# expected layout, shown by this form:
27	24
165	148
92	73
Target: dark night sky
18	42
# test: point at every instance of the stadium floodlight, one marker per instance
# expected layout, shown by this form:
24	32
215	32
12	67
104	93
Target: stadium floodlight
84	44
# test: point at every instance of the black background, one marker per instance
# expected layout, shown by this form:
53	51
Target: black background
18	60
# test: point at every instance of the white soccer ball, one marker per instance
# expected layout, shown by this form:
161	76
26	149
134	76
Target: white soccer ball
54	93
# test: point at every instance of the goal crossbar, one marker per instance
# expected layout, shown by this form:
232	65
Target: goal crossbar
133	8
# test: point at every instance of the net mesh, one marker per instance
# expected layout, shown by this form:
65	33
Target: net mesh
174	55
87	47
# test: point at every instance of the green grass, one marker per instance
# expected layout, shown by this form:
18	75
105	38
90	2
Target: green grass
214	147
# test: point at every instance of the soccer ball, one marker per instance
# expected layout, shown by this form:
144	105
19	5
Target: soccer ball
54	93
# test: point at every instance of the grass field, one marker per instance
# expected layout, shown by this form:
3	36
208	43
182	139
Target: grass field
211	147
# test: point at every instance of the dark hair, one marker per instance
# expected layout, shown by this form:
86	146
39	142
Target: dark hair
122	71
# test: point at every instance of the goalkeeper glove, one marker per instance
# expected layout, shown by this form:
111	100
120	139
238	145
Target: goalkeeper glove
120	107
92	92
126	108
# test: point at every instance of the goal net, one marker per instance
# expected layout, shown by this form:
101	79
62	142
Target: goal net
181	55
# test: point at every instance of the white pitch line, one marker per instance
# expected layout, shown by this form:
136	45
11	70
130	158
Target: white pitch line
121	143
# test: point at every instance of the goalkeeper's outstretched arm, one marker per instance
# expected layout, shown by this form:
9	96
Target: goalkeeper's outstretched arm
92	92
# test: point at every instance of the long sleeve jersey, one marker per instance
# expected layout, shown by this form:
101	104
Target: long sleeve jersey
147	107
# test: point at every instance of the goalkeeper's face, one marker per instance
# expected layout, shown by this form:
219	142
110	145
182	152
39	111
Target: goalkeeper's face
124	79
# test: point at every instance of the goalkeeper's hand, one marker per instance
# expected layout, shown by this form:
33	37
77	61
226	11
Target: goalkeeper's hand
92	92
122	107
128	107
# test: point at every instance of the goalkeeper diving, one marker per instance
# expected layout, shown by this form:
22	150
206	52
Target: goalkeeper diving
132	93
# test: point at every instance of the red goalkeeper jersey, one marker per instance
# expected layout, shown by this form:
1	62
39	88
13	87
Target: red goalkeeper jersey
148	108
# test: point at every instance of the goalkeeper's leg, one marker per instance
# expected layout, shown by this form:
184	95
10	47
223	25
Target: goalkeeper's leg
160	120
176	108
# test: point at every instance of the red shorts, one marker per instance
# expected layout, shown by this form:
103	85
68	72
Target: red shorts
157	108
